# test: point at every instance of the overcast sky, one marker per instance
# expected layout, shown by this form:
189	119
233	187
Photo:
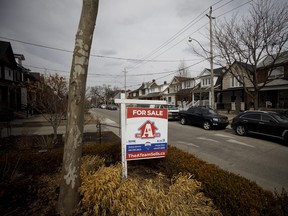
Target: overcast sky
126	31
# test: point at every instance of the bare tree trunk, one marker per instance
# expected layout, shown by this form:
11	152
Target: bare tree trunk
55	134
70	181
256	99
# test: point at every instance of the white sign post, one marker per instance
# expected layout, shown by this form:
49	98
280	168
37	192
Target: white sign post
159	149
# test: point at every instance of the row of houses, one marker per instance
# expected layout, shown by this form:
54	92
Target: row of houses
231	92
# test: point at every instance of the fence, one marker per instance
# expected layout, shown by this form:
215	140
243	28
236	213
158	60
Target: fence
99	129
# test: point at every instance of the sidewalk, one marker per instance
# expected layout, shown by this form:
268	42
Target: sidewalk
37	125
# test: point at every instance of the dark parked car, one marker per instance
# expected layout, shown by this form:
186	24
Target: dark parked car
204	117
111	107
270	124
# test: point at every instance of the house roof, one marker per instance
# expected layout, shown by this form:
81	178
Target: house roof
179	79
147	85
277	82
279	60
182	79
151	95
6	54
245	66
218	71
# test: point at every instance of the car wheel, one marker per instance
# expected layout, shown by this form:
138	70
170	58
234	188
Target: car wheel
207	125
183	121
241	130
286	139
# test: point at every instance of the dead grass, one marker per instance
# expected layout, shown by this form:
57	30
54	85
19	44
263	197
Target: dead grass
145	192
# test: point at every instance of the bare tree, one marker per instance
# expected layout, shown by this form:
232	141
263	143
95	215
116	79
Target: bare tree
182	70
102	94
48	96
70	179
97	94
260	35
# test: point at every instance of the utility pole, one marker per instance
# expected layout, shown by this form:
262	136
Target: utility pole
125	72
211	59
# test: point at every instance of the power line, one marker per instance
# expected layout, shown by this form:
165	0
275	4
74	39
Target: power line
176	35
235	8
93	55
184	29
144	59
112	75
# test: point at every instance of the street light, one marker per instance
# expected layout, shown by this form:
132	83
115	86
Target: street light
211	57
192	39
211	101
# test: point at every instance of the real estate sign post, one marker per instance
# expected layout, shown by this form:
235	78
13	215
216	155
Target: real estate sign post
144	131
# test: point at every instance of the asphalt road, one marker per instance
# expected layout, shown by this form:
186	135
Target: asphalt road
260	160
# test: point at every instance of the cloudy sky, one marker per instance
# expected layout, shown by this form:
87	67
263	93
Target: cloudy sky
148	38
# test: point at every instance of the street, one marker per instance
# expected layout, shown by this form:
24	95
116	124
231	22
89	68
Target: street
260	160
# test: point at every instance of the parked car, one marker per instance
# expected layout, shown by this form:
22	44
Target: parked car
103	106
204	117
173	111
264	123
111	107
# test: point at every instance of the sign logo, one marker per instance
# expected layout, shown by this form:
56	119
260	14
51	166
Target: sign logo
148	131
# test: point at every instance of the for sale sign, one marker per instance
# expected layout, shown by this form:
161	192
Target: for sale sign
146	133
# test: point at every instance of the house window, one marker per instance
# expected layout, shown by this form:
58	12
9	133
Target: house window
277	73
235	82
206	81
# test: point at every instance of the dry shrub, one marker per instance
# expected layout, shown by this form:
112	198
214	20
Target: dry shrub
104	193
9	169
97	188
44	142
25	141
91	163
45	195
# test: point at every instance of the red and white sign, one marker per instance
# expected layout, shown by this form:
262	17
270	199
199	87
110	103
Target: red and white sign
146	133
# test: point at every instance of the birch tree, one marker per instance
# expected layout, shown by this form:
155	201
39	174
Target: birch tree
262	34
70	179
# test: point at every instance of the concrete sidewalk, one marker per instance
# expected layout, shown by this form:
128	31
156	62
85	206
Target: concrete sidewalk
37	125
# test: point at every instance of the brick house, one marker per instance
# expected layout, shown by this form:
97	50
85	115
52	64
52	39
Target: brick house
275	92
